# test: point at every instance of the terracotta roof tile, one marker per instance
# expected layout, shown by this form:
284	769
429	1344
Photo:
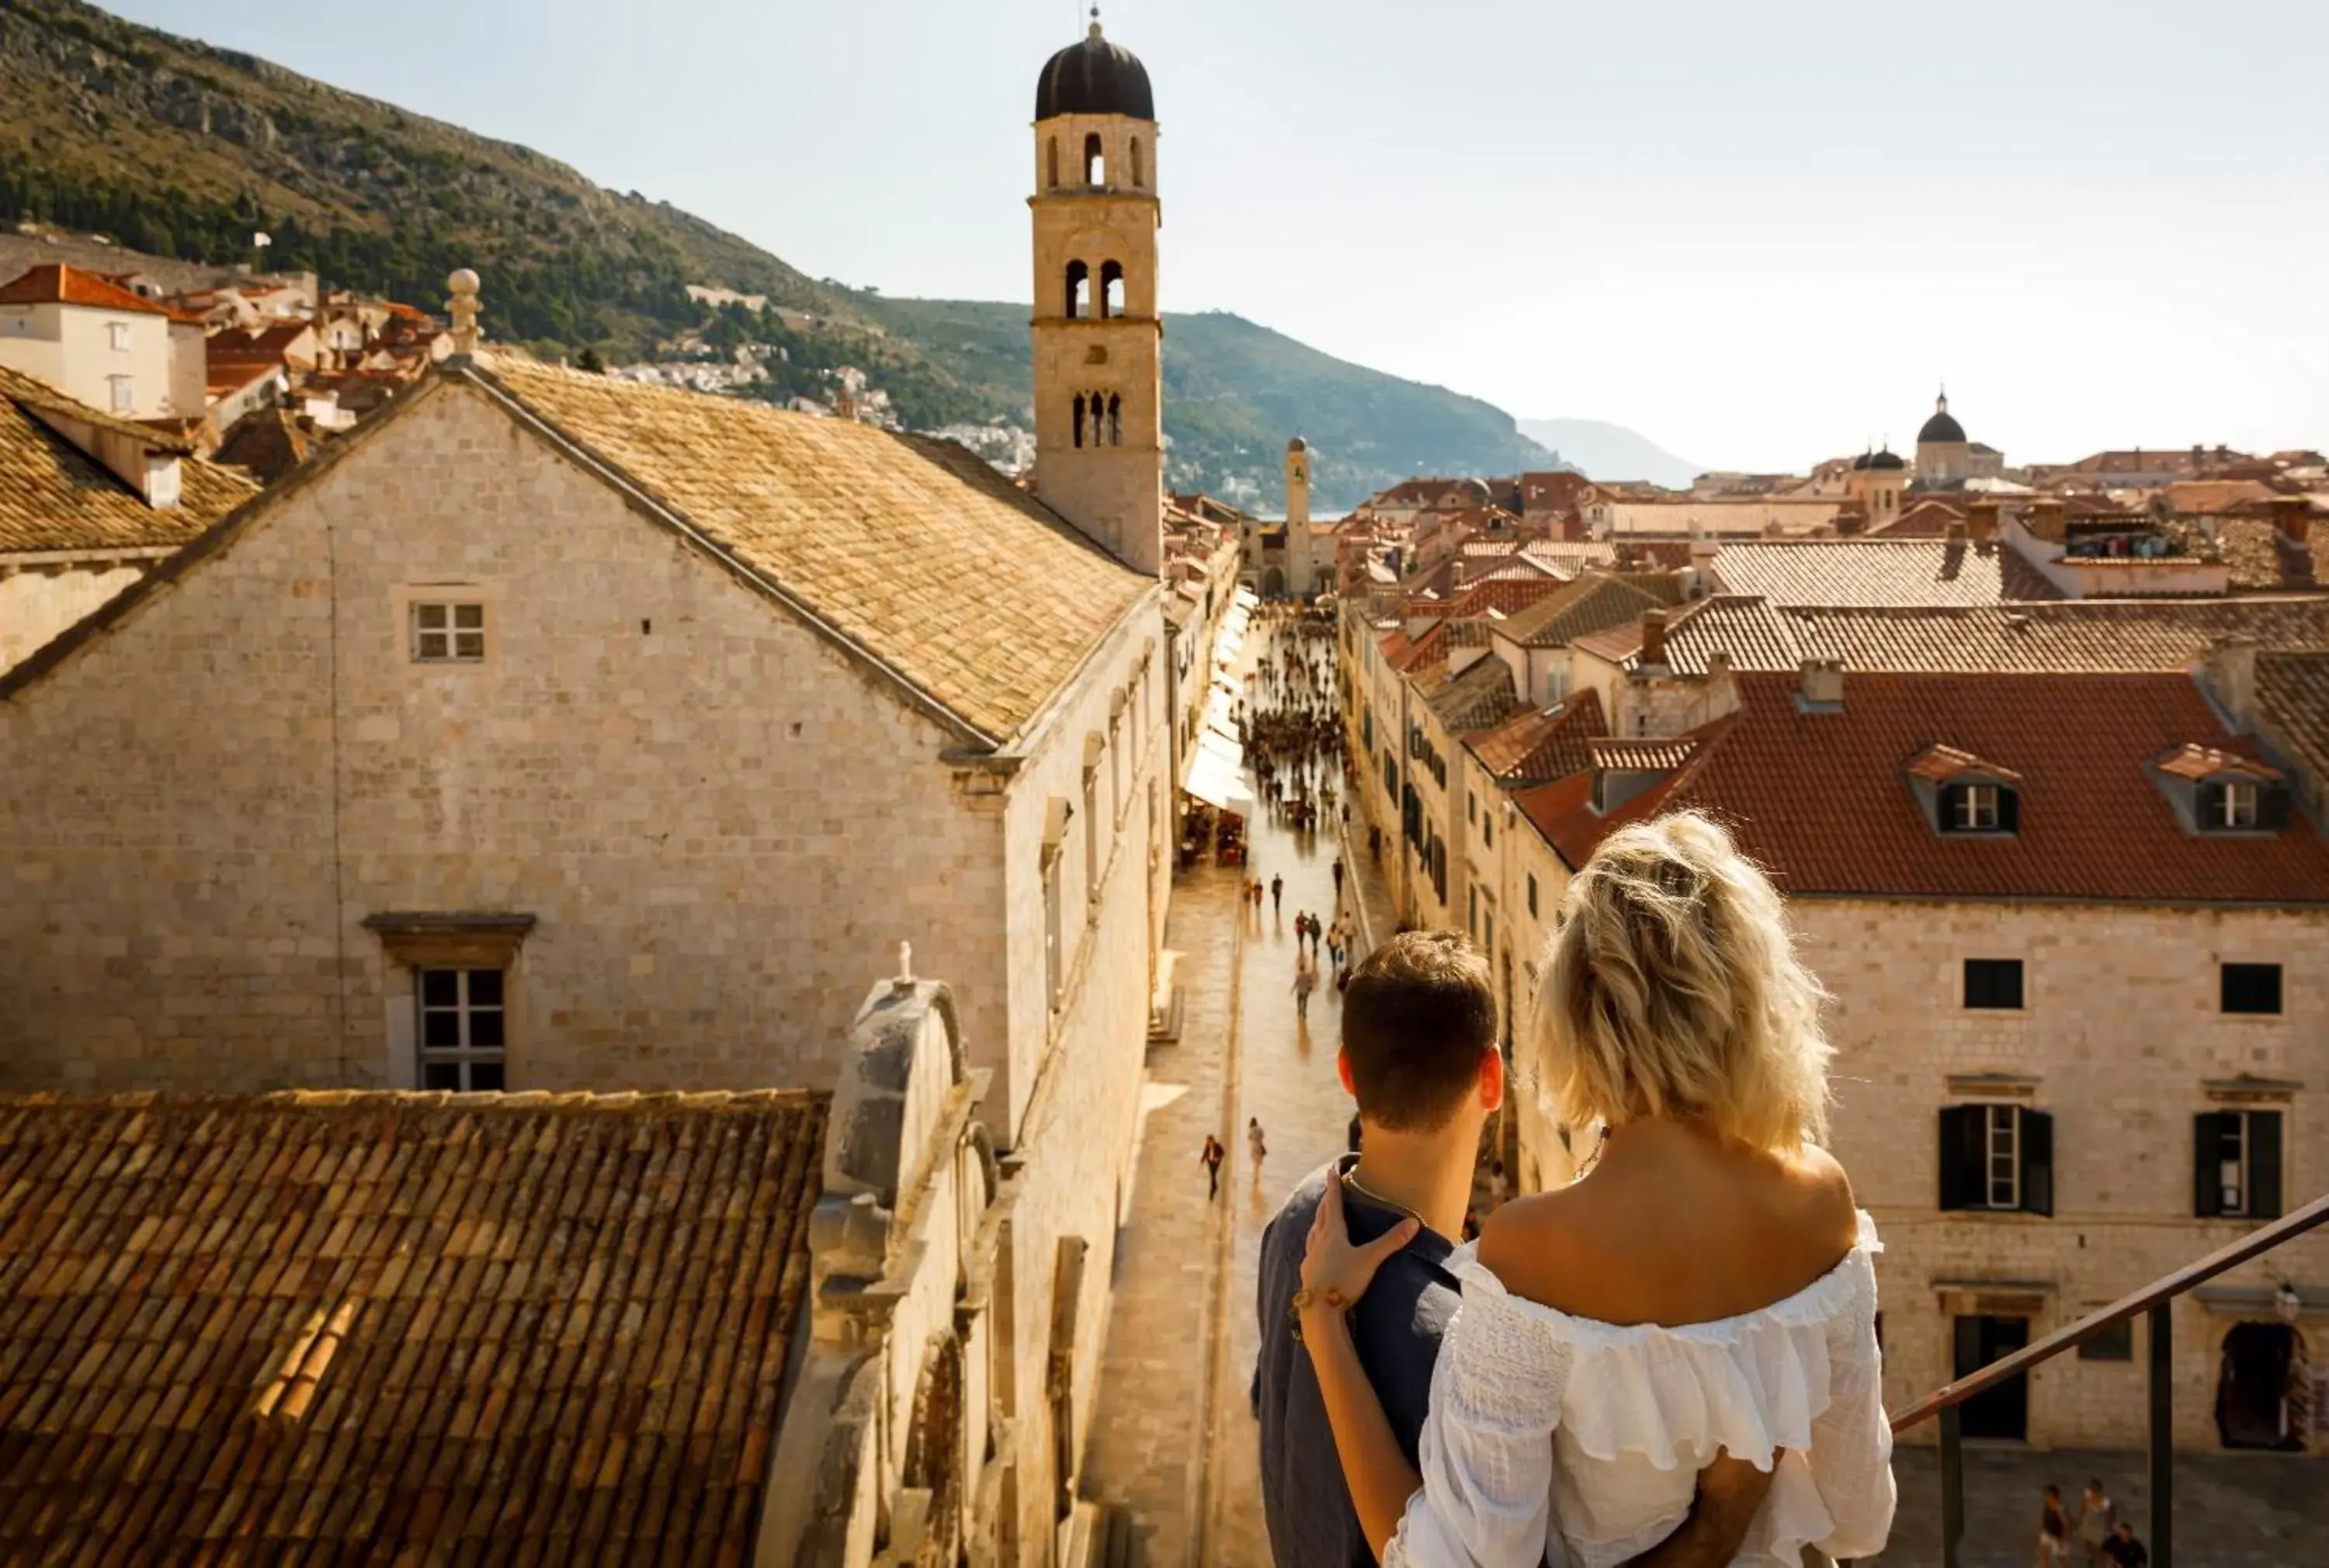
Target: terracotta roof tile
2261	558
1591	603
1536	747
1479	698
1635	754
1940	763
53	497
326	1327
2065	635
53	283
2196	761
912	547
1824	799
1879	571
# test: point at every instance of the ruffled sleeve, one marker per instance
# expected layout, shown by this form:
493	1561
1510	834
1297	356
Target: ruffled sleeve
1485	1453
1851	1449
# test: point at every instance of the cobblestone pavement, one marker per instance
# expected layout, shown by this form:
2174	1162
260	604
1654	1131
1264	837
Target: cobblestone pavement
2231	1510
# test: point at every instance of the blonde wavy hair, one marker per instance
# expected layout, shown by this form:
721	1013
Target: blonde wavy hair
1671	988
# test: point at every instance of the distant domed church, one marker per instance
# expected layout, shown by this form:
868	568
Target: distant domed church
1945	459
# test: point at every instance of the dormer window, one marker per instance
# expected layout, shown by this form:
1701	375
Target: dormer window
2220	791
1963	794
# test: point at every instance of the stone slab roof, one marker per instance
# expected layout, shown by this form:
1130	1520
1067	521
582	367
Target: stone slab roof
913	549
1879	571
53	497
392	1326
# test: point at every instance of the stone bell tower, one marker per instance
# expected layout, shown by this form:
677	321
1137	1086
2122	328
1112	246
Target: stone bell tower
1301	543
1099	422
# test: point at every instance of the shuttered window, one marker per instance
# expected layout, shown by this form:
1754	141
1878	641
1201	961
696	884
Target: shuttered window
1998	1157
1993	982
2236	1159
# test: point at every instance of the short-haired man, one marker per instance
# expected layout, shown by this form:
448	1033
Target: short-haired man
1419	1056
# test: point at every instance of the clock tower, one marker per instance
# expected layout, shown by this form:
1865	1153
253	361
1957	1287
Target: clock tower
1099	431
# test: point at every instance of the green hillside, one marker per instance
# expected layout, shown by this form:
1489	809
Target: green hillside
174	149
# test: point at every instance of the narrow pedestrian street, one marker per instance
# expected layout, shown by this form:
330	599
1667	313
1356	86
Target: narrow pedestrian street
1175	1438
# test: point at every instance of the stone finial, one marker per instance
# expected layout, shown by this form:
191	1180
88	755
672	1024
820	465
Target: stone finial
905	966
464	309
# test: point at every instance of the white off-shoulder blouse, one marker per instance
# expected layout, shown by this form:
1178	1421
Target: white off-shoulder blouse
1565	1440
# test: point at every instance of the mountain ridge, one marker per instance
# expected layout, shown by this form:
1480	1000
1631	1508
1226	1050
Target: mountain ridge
1611	452
177	148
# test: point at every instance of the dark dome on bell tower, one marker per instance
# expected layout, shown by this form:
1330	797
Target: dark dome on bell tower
1094	77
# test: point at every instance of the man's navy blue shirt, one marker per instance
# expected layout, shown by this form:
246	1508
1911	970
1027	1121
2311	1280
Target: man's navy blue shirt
1397	1326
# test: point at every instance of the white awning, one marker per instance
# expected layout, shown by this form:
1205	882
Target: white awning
1216	783
1219	720
1246	598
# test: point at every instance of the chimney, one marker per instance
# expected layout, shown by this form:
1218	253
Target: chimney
1981	522
1954	532
2046	520
1654	644
1822	686
2293	516
2228	671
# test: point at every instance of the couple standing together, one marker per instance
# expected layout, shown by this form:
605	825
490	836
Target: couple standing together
1670	1362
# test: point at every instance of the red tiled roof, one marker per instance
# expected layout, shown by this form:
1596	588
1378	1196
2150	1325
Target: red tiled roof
1823	801
1590	605
393	1327
53	283
1539	746
1504	595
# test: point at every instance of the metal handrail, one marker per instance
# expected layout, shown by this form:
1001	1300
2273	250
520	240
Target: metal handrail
2153	1300
2159	1291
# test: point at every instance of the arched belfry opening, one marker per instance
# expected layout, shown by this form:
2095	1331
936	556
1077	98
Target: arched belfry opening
1098	361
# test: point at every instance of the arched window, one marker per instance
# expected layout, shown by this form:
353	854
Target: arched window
1111	288
1095	161
1139	176
1116	421
1078	290
1052	166
1080	419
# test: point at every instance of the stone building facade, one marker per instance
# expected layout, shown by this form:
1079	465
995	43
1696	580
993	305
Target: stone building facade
669	806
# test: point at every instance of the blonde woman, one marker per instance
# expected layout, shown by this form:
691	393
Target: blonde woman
1705	1288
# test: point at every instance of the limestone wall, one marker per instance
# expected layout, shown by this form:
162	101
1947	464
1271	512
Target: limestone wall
2121	1028
37	604
699	800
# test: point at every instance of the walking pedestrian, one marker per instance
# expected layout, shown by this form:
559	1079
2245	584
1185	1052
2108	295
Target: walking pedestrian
2053	1531
2097	1521
1255	1143
1338	880
1278	895
2124	1550
1211	1161
1306	981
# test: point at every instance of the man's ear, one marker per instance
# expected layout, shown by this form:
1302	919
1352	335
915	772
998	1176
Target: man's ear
1342	1072
1491	1079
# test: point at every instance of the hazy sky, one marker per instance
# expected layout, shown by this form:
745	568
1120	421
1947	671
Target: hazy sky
1759	234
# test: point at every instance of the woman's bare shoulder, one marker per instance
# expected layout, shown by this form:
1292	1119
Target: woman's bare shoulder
1825	1190
1534	1240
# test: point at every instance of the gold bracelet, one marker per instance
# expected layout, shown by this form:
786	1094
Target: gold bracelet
1304	1297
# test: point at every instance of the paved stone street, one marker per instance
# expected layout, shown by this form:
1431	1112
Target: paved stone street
1174	1439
